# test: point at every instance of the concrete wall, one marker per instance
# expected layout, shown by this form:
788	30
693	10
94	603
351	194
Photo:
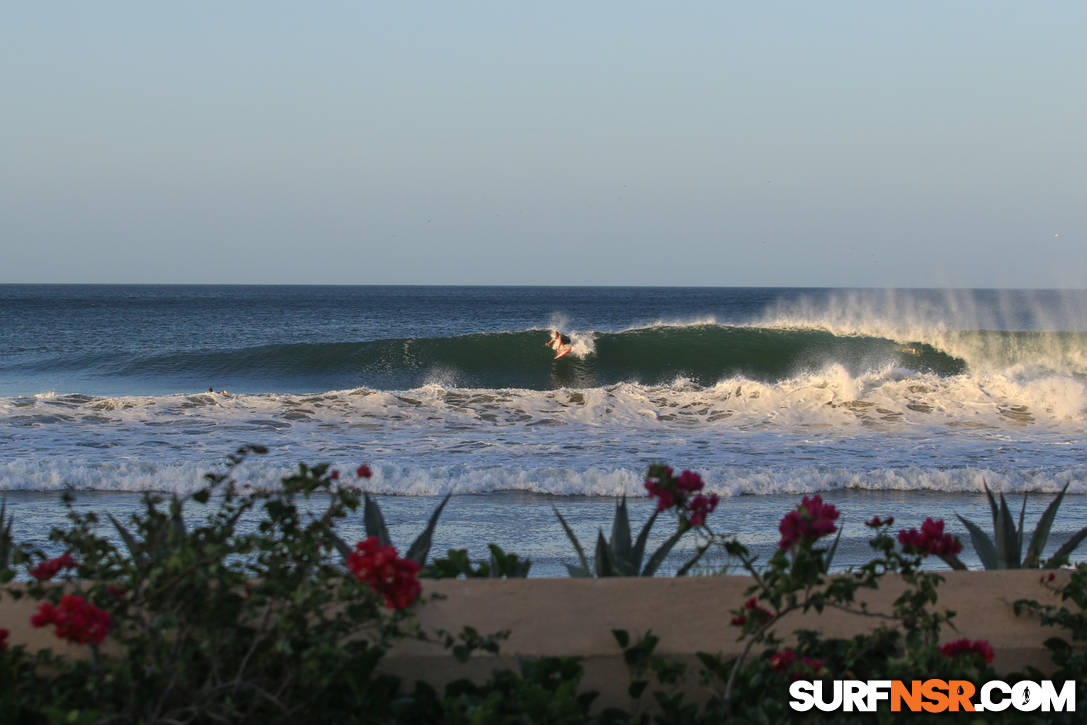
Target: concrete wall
575	617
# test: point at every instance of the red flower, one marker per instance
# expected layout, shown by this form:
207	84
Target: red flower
964	646
118	592
753	612
689	481
49	569
700	507
76	620
363	472
807	522
4	644
783	661
875	522
672	491
385	572
334	475
787	661
931	539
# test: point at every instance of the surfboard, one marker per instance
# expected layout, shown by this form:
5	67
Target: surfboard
564	351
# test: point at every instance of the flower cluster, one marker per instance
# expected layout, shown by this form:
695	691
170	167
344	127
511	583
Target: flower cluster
807	522
788	661
385	572
76	620
49	569
681	492
964	647
362	471
875	522
751	612
4	639
931	539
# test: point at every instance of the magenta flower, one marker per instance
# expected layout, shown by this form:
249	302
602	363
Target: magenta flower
930	540
809	521
964	647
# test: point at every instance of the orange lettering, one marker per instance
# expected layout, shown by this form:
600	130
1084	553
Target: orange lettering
935	691
959	693
912	696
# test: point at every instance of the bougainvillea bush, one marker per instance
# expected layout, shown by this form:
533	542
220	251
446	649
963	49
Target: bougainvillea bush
213	621
261	612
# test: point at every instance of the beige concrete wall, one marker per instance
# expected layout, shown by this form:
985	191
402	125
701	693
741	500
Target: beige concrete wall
575	617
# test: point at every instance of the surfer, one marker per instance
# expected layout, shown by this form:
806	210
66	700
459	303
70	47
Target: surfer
559	343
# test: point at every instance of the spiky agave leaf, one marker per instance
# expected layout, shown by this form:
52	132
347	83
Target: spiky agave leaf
1041	531
662	551
603	558
620	541
1006	536
577	547
638	553
419	548
375	522
134	549
983	545
1066	550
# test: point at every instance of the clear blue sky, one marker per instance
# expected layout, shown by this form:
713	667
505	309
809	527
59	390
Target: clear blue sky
703	143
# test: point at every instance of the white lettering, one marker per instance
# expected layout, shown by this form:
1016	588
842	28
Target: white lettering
987	701
801	692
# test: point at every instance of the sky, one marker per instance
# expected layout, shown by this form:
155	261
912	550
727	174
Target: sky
715	143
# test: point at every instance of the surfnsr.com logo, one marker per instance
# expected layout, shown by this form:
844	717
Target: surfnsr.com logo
933	696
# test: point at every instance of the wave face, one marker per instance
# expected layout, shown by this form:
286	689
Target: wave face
701	353
449	389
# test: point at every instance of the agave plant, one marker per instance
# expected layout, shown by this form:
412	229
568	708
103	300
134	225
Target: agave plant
1005	549
618	555
375	527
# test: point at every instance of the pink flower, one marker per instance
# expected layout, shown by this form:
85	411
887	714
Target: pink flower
49	569
334	475
689	481
930	540
807	522
76	620
751	612
385	572
363	471
700	507
964	647
4	644
672	491
875	522
782	661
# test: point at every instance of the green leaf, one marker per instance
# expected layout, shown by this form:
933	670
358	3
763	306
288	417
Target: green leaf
577	545
693	560
1041	531
375	522
605	563
833	550
983	545
130	541
1069	546
622	637
638	554
1006	536
419	548
658	556
954	562
620	540
992	504
339	543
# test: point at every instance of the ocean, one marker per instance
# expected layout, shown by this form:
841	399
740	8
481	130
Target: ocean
883	401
